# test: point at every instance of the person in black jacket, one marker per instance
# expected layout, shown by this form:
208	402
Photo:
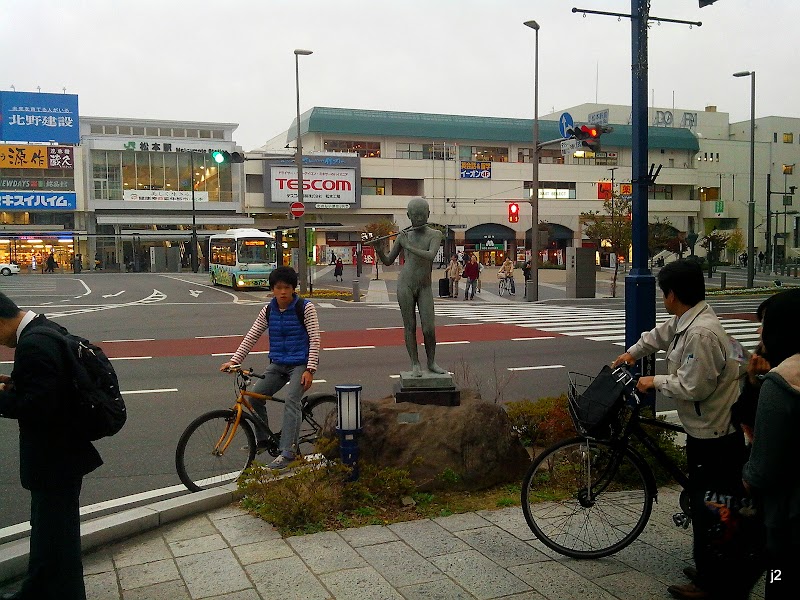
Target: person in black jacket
53	460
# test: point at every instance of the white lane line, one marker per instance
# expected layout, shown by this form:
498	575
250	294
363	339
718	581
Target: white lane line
131	358
349	348
463	324
6	362
249	353
133	340
319	381
157	391
544	337
381	328
537	368
450	343
208	337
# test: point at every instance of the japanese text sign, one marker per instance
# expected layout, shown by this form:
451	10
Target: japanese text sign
33	117
471	169
36	157
38	201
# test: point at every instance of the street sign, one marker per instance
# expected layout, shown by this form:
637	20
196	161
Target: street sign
298	209
626	189
570	146
719	208
599	118
787	200
565	122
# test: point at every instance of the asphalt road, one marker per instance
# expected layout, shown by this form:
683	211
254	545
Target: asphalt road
162	331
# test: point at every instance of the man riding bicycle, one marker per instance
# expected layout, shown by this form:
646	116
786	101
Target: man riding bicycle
293	356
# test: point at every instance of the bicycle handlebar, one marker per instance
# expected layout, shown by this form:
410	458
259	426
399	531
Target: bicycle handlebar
240	371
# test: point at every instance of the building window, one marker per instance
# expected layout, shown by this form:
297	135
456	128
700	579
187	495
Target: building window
662	192
406	187
553	190
373	187
255	184
775	137
96	129
788	138
412	151
706	194
439	151
483	153
362	149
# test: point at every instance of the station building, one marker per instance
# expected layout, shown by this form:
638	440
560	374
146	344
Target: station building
470	169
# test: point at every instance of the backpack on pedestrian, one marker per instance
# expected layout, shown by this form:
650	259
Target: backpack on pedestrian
99	410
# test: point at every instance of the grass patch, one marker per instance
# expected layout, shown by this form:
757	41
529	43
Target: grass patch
319	497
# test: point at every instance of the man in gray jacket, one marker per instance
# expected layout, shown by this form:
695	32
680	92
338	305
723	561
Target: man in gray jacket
702	379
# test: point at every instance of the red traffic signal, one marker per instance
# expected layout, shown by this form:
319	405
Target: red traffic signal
513	213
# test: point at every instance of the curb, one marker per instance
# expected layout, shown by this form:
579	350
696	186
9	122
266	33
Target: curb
111	528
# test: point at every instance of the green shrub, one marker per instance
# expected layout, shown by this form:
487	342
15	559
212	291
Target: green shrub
543	422
319	496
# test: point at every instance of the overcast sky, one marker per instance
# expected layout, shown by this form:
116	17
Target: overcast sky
233	61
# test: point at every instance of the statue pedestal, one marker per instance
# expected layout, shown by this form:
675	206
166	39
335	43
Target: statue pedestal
430	388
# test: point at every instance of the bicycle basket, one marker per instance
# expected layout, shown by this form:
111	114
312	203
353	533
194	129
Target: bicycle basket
594	402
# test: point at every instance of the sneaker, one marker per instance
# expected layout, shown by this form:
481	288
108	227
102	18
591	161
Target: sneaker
687	591
281	463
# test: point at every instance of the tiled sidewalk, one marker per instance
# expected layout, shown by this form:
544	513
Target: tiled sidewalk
226	553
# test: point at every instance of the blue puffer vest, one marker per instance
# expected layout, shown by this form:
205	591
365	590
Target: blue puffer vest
288	338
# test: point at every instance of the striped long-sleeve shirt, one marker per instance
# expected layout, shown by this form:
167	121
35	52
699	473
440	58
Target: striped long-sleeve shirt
260	326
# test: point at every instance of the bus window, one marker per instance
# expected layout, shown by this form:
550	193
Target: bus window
253	251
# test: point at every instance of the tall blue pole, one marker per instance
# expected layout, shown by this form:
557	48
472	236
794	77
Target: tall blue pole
640	285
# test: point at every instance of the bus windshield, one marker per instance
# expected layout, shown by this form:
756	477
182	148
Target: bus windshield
253	251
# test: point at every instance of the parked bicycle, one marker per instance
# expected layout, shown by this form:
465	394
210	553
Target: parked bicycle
217	446
592	495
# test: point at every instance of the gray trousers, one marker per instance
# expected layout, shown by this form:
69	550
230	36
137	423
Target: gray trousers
275	378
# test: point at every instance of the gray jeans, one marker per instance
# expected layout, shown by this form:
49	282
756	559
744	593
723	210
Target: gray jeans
275	378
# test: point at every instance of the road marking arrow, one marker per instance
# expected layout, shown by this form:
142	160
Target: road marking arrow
113	295
195	293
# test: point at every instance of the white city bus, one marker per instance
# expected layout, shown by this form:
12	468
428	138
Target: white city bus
241	258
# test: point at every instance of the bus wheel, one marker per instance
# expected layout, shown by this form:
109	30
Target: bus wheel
233	284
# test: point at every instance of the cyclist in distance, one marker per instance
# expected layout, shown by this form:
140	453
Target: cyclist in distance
293	358
703	380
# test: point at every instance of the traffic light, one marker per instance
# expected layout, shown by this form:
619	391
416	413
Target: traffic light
223	156
589	135
513	213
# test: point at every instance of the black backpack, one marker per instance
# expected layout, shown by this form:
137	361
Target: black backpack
100	410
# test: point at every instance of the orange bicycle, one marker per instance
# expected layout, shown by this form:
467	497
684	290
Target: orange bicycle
217	446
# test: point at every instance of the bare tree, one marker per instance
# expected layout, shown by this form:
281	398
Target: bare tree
613	226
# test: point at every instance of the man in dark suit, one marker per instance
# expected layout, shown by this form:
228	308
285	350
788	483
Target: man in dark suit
53	460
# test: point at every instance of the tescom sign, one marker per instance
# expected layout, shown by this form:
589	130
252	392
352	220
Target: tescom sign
320	185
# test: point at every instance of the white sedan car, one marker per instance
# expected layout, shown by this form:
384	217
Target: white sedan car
8	268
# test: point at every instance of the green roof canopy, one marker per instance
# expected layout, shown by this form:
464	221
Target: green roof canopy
458	128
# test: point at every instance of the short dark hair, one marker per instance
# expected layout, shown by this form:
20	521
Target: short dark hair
685	279
283	275
781	326
8	308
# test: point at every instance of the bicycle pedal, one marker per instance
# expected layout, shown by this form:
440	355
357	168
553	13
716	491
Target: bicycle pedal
681	520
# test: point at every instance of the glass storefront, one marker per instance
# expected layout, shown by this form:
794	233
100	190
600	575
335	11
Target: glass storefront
117	174
28	251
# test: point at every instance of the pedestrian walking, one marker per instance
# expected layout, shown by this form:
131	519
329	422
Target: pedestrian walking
51	263
453	273
53	460
338	270
703	381
471	273
761	259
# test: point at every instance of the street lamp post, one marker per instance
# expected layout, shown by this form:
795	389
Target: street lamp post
532	285
302	266
195	262
751	205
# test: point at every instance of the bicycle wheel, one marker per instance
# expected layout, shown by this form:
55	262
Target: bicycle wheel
585	499
315	413
501	286
199	457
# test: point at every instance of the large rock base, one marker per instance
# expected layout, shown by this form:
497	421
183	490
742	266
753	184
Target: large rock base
473	441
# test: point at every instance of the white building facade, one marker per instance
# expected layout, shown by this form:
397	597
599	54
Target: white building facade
471	168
